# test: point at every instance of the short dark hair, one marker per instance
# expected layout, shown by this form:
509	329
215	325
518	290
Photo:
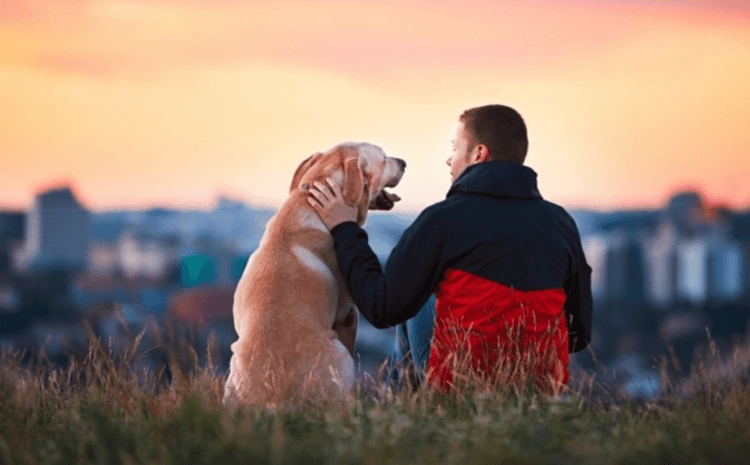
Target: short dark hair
500	128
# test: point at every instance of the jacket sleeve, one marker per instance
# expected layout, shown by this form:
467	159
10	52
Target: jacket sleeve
411	273
578	304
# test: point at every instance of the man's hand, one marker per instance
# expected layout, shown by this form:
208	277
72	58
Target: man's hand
329	202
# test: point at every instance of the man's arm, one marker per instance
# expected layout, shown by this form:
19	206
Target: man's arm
578	305
412	271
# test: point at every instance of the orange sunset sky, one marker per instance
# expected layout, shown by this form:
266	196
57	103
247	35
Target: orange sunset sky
174	102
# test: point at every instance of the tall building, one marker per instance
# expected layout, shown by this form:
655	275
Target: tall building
57	231
692	271
616	267
726	272
595	249
660	257
11	225
11	234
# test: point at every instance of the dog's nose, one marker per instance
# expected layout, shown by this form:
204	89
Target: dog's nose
401	163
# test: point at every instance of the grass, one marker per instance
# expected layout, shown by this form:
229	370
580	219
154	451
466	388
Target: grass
103	408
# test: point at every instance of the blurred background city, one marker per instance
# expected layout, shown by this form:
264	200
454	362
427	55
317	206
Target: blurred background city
68	273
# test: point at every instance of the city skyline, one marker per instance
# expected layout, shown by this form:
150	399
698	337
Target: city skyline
711	205
173	103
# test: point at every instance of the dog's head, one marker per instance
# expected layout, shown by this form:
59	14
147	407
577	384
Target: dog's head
363	171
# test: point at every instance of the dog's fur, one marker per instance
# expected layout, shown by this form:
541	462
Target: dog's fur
295	319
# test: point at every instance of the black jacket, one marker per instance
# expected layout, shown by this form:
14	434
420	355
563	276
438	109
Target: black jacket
493	225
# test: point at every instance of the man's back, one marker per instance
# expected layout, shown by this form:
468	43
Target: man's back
486	220
509	259
492	249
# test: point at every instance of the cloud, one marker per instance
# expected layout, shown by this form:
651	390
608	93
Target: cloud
374	41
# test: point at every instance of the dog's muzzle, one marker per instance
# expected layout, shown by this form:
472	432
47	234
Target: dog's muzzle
386	200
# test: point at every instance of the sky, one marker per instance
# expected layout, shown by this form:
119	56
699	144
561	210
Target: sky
137	104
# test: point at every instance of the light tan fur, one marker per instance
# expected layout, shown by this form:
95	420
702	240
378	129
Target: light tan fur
295	319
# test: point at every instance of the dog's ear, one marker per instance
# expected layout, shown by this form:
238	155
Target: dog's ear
302	169
353	182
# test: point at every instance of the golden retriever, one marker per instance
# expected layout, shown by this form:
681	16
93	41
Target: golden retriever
295	319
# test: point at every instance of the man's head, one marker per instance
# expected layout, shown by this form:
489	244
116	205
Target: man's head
491	132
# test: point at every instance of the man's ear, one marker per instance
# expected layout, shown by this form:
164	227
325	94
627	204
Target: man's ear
302	169
481	153
353	182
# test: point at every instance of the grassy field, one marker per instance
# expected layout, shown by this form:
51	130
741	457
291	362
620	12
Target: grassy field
102	409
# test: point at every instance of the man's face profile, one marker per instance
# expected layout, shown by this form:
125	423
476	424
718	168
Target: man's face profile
463	150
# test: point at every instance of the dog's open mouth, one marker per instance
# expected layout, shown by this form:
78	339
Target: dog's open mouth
384	201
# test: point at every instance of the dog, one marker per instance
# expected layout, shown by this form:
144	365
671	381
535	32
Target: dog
295	320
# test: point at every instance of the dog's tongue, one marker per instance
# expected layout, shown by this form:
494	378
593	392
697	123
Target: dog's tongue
391	197
385	200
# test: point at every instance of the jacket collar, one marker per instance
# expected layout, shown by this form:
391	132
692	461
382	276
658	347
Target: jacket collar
500	179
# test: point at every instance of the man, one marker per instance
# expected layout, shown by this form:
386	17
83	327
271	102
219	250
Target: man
511	283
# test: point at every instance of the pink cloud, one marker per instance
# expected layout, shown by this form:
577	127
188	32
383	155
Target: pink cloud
361	38
41	11
368	40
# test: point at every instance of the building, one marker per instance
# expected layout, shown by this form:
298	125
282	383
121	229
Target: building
726	272
660	268
11	234
12	225
57	232
616	267
595	249
710	270
692	271
695	257
142	254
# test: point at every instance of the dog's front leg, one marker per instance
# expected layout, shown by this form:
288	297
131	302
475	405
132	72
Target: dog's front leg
346	327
